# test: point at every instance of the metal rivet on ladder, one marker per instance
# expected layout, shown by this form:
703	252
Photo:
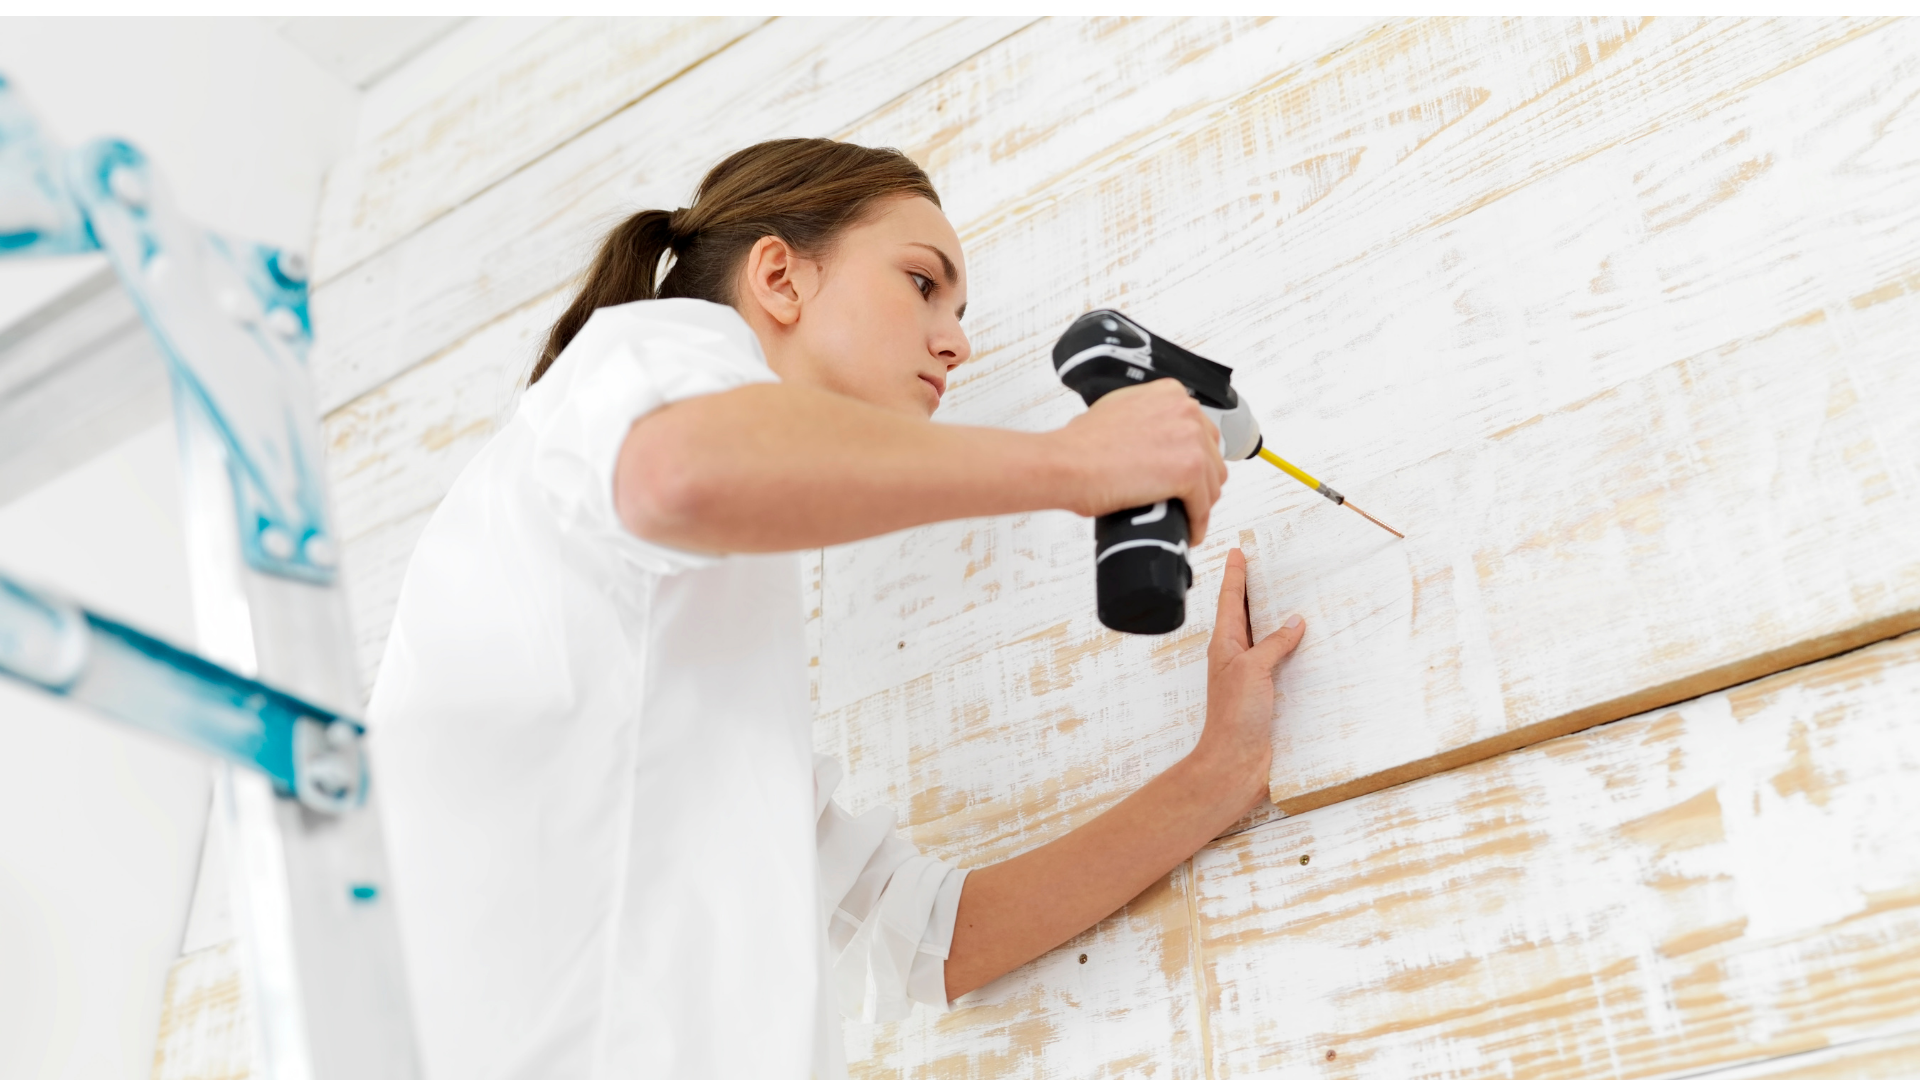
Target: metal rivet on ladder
276	542
238	306
319	551
285	324
128	186
292	265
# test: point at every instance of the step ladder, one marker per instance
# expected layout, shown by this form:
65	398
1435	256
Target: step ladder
271	692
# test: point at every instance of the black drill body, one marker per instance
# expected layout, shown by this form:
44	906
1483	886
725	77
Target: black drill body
1141	571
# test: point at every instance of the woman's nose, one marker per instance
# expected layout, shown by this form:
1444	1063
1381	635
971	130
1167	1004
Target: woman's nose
955	350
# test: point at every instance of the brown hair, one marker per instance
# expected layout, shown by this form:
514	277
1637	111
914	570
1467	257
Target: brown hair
804	191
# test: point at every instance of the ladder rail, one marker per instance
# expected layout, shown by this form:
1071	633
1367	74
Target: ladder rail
273	685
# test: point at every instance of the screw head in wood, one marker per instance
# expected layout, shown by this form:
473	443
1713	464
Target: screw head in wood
1083	958
1304	859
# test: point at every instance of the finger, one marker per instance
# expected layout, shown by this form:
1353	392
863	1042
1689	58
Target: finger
1230	624
1197	518
1280	644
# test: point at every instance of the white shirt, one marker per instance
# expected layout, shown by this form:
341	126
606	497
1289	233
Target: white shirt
614	853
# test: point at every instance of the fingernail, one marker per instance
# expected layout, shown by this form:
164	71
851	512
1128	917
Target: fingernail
1295	622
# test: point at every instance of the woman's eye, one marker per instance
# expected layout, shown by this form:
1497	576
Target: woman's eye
923	283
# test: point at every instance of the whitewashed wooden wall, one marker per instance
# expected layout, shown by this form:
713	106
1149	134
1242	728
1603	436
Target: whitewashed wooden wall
1615	318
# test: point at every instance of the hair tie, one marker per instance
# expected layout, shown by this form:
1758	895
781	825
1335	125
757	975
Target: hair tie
676	226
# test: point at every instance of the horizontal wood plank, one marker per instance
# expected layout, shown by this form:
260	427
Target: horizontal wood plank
1117	1001
559	83
205	1025
1731	879
1716	520
1889	1057
534	231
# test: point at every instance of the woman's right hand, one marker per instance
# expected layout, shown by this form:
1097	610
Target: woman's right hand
1137	446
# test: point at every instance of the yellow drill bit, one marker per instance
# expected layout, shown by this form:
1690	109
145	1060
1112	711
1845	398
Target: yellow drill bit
1299	474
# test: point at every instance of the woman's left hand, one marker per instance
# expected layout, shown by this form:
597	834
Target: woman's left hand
1237	745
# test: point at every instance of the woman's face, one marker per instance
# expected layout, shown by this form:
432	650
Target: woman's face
877	319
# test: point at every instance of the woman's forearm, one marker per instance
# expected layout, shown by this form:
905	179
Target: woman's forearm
774	467
1013	911
782	467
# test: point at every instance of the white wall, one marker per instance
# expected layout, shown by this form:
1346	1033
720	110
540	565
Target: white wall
99	825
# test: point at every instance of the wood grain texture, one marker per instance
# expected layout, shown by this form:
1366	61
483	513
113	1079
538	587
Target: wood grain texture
1732	879
534	230
1579	300
1127	1010
1380	325
554	86
1610	315
205	1030
1889	1057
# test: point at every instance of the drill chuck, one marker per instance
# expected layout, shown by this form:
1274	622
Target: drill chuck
1141	573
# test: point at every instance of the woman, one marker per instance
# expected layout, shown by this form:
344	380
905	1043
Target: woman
615	853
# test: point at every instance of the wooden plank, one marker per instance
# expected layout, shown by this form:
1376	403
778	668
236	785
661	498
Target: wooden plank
1117	1001
396	450
534	230
1065	99
1716	520
556	85
1731	879
1892	1057
1461	329
204	1023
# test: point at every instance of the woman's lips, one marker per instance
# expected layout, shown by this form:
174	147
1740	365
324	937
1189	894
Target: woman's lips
939	385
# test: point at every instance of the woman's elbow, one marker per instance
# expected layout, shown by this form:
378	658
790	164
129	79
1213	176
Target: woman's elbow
660	492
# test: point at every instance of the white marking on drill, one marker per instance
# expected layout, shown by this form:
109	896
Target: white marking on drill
1179	549
1141	357
1157	513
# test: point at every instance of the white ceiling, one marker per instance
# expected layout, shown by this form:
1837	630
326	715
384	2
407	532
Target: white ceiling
361	50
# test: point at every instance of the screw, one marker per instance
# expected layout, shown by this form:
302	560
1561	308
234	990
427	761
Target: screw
238	306
1304	858
1083	958
128	187
331	775
1331	1055
902	645
284	323
292	266
319	551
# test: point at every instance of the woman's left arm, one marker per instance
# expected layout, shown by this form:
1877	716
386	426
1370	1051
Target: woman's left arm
1013	911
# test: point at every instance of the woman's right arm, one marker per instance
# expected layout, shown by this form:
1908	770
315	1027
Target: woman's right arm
781	467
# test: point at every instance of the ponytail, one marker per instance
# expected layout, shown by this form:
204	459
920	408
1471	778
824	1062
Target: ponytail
804	191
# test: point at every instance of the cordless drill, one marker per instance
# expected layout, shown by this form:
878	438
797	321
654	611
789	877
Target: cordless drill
1141	573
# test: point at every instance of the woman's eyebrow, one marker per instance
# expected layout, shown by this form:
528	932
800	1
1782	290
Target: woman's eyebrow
946	263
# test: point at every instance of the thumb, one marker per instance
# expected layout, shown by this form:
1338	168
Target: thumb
1280	644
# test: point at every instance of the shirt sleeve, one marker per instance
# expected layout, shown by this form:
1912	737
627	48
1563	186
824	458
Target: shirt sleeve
624	363
890	911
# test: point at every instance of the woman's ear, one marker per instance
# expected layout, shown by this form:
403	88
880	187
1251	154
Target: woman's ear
775	274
